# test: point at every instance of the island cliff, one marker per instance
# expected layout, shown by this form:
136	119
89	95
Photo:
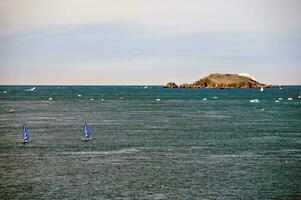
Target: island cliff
222	81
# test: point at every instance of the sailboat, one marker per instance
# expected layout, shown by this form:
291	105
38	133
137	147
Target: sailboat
25	134
261	89
31	89
86	132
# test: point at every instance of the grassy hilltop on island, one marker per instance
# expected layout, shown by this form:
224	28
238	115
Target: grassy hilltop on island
222	81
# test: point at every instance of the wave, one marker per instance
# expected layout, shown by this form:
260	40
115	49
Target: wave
122	151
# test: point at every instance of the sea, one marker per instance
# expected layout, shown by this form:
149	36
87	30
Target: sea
150	143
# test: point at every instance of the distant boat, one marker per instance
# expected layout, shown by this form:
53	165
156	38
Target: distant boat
86	132
254	101
261	89
25	134
31	89
280	87
11	111
290	98
158	99
145	87
4	92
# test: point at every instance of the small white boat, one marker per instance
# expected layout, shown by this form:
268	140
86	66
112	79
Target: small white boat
91	99
299	97
214	97
261	89
204	99
79	95
276	101
145	87
290	98
254	101
11	111
102	99
158	99
50	99
4	92
31	89
280	99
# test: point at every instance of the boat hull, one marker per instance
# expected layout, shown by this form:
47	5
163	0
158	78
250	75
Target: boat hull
87	139
25	142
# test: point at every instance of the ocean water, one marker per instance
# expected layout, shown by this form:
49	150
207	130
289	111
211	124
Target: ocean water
178	147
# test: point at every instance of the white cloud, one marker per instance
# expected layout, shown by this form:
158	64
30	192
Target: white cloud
177	15
147	41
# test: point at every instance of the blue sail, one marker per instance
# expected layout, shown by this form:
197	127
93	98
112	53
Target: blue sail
86	131
25	134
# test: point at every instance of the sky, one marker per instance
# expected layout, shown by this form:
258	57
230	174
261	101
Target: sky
149	42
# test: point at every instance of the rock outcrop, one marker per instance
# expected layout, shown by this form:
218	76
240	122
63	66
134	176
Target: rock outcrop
171	85
222	81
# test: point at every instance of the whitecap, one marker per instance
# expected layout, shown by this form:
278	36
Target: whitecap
218	156
156	196
254	101
122	151
31	89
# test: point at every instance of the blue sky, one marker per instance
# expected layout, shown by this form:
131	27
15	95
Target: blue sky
148	42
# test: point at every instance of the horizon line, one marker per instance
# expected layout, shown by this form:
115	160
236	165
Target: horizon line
112	85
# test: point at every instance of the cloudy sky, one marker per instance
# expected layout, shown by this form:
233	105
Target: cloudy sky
148	41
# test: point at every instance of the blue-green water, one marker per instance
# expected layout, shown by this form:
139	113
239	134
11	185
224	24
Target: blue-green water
180	147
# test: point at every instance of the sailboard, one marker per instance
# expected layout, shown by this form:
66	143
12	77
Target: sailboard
86	132
25	134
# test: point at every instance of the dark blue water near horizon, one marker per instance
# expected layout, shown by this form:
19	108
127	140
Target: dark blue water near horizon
150	143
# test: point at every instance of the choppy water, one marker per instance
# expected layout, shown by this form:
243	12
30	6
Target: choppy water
180	147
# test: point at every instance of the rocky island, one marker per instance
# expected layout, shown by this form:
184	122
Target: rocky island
222	81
